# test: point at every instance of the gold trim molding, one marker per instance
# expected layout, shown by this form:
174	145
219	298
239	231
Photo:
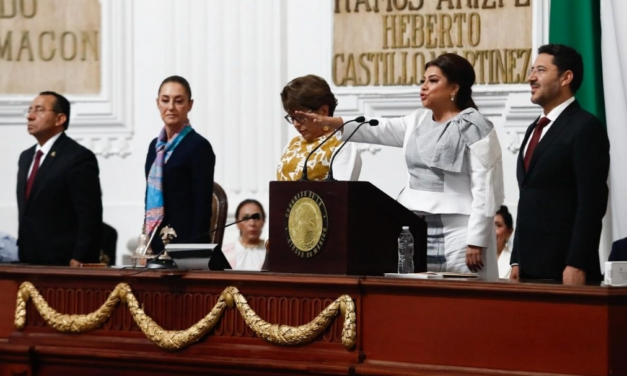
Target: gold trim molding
178	339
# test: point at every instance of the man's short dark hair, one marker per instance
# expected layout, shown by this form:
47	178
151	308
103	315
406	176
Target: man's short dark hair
61	106
566	59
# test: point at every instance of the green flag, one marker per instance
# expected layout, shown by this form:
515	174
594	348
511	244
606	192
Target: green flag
577	23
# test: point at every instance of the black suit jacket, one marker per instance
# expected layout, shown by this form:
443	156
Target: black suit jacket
187	189
619	250
62	219
563	198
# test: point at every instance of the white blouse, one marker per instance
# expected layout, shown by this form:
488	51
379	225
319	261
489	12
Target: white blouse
504	267
245	258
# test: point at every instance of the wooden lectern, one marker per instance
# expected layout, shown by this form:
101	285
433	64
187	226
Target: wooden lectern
361	225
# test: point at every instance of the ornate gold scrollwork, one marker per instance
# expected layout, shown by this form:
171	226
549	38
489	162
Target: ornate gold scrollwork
289	335
178	339
64	323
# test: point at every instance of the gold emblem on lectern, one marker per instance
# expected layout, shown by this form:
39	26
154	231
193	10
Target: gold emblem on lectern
306	224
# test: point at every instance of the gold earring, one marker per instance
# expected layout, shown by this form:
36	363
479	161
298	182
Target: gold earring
325	128
452	97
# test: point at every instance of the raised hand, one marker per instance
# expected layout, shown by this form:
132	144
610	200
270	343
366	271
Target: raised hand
321	120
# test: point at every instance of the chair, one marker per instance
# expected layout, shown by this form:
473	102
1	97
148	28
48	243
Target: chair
109	244
219	209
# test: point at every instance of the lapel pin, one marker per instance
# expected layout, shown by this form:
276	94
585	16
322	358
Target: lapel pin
53	154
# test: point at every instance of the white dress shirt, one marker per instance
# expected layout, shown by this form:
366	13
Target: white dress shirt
554	114
504	268
245	258
45	149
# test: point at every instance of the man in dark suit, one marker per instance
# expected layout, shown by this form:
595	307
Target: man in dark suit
562	175
58	191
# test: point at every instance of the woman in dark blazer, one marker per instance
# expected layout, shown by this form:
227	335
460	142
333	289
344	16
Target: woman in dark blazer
179	171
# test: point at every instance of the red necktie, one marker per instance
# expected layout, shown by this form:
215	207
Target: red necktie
31	178
537	132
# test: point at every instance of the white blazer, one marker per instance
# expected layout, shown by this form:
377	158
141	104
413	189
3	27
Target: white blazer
476	191
347	164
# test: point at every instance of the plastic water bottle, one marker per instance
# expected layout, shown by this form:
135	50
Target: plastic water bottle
405	252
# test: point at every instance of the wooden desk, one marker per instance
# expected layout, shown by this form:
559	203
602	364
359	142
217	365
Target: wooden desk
404	327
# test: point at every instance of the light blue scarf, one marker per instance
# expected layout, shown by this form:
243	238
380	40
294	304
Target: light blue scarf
154	191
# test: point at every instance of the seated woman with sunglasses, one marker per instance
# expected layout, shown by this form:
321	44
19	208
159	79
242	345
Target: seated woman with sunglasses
313	94
249	251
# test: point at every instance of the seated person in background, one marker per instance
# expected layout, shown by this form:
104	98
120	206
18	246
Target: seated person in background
313	94
504	229
248	252
8	248
109	245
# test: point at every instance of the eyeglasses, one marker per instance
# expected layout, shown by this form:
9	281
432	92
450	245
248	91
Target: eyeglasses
37	111
248	217
539	71
300	119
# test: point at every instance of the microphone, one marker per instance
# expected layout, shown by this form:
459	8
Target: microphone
155	263
158	254
358	119
372	123
252	216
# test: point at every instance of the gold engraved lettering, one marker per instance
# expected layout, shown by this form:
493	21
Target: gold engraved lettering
418	34
389	31
450	4
474	29
445	24
430	26
4	13
25	45
68	39
23	9
459	18
89	39
6	46
52	49
362	2
416	7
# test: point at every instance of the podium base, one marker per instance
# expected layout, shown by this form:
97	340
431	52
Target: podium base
161	264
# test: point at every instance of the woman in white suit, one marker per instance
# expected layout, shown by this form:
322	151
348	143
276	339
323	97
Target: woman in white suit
454	162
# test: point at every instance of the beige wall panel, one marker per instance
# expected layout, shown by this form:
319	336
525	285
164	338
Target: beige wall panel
50	45
388	42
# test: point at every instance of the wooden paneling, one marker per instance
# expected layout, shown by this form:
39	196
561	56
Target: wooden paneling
8	294
404	327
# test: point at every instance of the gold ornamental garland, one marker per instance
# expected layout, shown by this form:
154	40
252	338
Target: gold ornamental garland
178	339
60	322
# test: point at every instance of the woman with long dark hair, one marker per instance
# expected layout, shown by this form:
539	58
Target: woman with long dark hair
454	162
